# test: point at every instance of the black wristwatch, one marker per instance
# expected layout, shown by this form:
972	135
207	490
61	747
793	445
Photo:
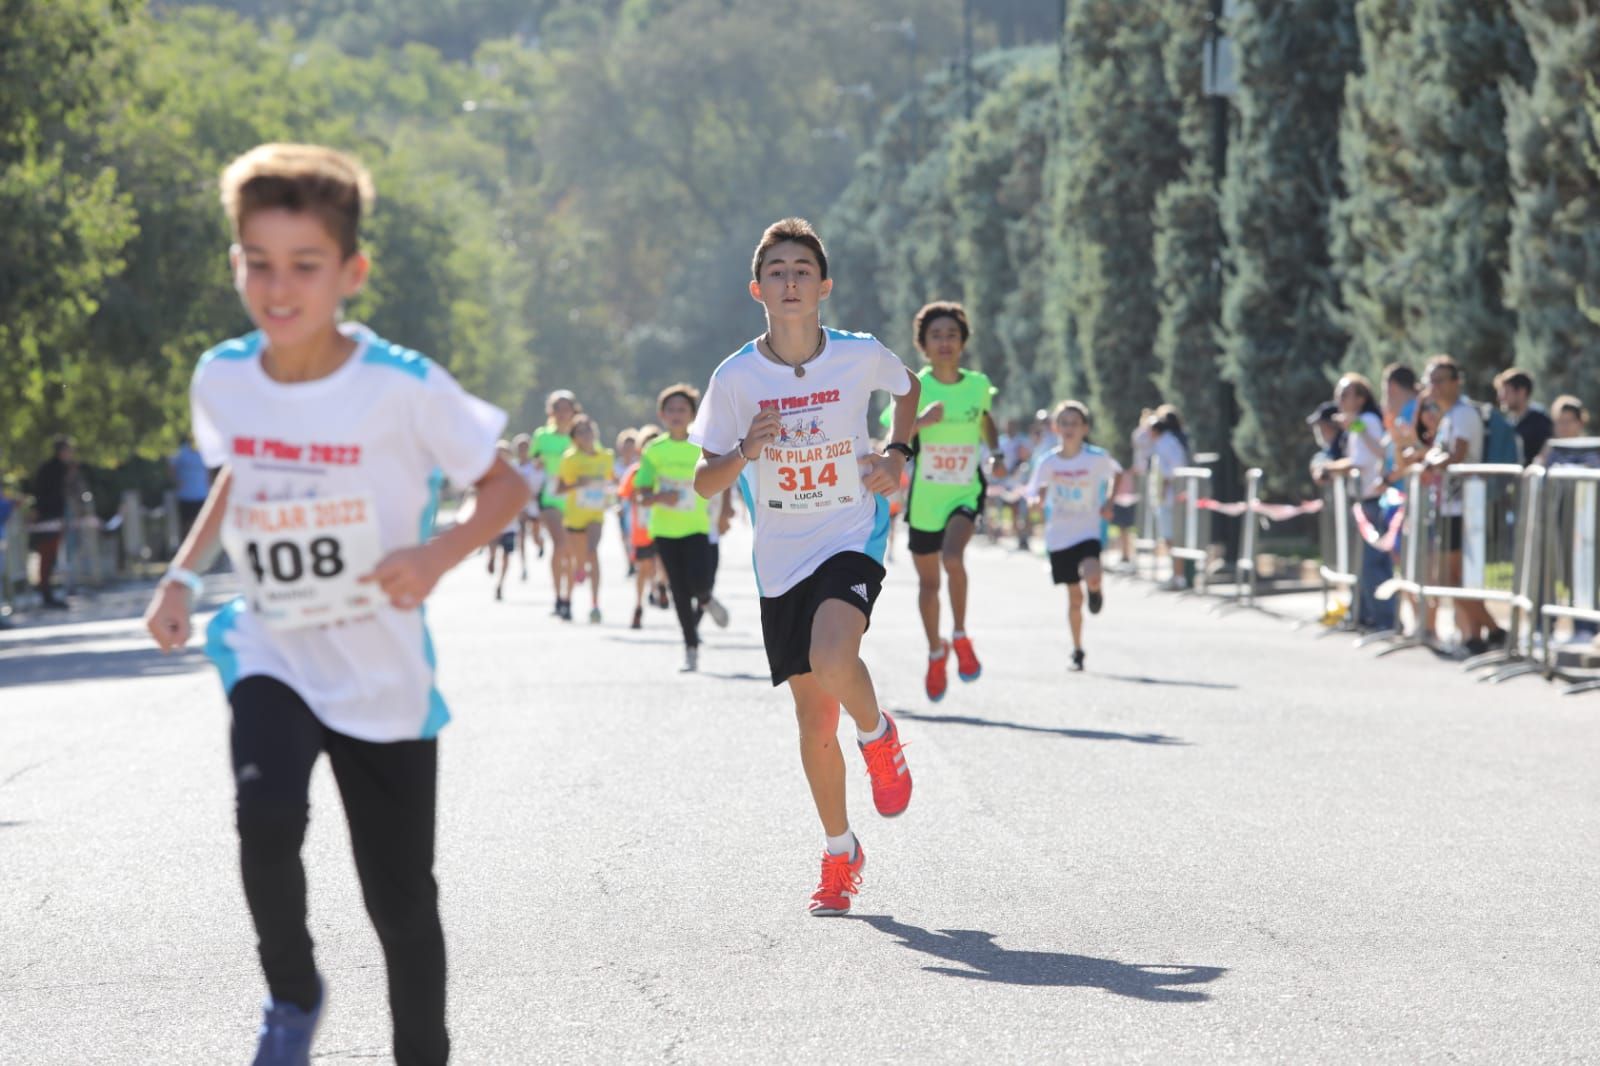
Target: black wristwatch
903	449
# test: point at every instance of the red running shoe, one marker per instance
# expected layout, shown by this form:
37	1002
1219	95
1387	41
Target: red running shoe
886	766
841	879
937	680
967	665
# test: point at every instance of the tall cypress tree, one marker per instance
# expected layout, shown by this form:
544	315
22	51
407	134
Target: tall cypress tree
1372	222
1118	149
1188	242
1454	121
1556	199
1280	301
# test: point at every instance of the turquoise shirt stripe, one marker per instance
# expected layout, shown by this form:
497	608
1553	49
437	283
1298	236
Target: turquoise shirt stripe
438	711
217	650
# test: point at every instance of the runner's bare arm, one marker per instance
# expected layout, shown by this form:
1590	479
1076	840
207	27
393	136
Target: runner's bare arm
407	576
883	476
167	617
716	473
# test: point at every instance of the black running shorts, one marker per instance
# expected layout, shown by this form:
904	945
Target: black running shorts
853	577
1064	564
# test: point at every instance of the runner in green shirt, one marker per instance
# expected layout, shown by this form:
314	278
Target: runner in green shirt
550	443
680	520
947	484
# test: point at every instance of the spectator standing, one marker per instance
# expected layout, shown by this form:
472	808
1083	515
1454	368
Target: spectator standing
49	490
1169	450
1458	440
1361	421
191	482
1514	392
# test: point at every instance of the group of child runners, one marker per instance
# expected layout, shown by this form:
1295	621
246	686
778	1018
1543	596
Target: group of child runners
334	445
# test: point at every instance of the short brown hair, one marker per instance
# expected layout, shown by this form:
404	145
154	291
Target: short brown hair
932	312
1443	362
1401	375
797	230
688	392
329	184
1514	377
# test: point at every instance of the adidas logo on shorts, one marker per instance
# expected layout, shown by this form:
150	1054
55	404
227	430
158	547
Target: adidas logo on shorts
860	590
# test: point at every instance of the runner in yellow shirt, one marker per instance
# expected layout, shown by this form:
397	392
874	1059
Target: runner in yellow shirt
586	487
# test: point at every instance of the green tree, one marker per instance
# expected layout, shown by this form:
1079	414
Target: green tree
1454	122
1118	149
1556	195
1373	222
996	186
1281	336
66	220
1188	236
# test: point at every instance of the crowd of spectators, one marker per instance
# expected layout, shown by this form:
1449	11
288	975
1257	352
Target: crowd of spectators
1429	423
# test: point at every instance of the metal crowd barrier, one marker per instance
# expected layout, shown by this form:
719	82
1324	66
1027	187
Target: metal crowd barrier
1245	572
1191	535
1339	538
1415	558
1147	519
1524	595
1489	497
1570	590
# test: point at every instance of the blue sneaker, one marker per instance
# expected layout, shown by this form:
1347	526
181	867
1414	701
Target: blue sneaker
286	1032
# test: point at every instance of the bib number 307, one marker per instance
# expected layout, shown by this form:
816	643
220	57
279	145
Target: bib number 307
300	559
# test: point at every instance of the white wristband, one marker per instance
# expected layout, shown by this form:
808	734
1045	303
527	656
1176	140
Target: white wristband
187	578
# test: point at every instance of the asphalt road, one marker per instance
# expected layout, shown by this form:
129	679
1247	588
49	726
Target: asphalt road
1228	841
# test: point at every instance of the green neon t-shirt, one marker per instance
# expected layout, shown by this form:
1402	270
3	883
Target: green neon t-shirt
945	478
669	464
550	446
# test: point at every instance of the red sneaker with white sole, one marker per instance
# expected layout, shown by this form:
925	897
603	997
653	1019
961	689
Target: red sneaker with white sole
886	766
841	879
967	665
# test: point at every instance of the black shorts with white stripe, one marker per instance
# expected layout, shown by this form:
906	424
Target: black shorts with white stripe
854	577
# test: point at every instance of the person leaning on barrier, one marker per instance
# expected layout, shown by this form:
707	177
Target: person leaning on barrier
1329	436
1514	392
1458	441
1361	421
1571	420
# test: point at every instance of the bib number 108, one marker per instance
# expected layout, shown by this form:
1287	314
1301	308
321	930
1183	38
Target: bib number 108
806	478
286	564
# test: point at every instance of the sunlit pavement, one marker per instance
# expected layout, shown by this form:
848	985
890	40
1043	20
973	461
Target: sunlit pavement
1228	840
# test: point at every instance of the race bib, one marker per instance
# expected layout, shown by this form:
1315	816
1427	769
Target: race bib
687	499
593	497
299	559
1073	497
948	464
806	480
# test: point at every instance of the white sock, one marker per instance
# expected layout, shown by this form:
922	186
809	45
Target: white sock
958	634
883	727
844	844
935	656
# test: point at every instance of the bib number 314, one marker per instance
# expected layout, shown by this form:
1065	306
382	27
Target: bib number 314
300	559
807	480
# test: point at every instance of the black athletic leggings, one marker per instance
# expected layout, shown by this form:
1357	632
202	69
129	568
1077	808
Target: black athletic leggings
689	576
389	793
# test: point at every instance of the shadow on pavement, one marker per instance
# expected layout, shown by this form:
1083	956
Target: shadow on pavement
98	666
986	961
1075	734
737	677
1140	679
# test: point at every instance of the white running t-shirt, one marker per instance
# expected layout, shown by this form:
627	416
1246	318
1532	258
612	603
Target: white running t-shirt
1077	488
373	442
804	495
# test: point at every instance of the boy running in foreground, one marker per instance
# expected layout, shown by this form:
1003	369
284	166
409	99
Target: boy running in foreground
1074	484
333	444
785	418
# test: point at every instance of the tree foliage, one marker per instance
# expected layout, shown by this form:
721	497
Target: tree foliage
1118	149
1556	193
1281	337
